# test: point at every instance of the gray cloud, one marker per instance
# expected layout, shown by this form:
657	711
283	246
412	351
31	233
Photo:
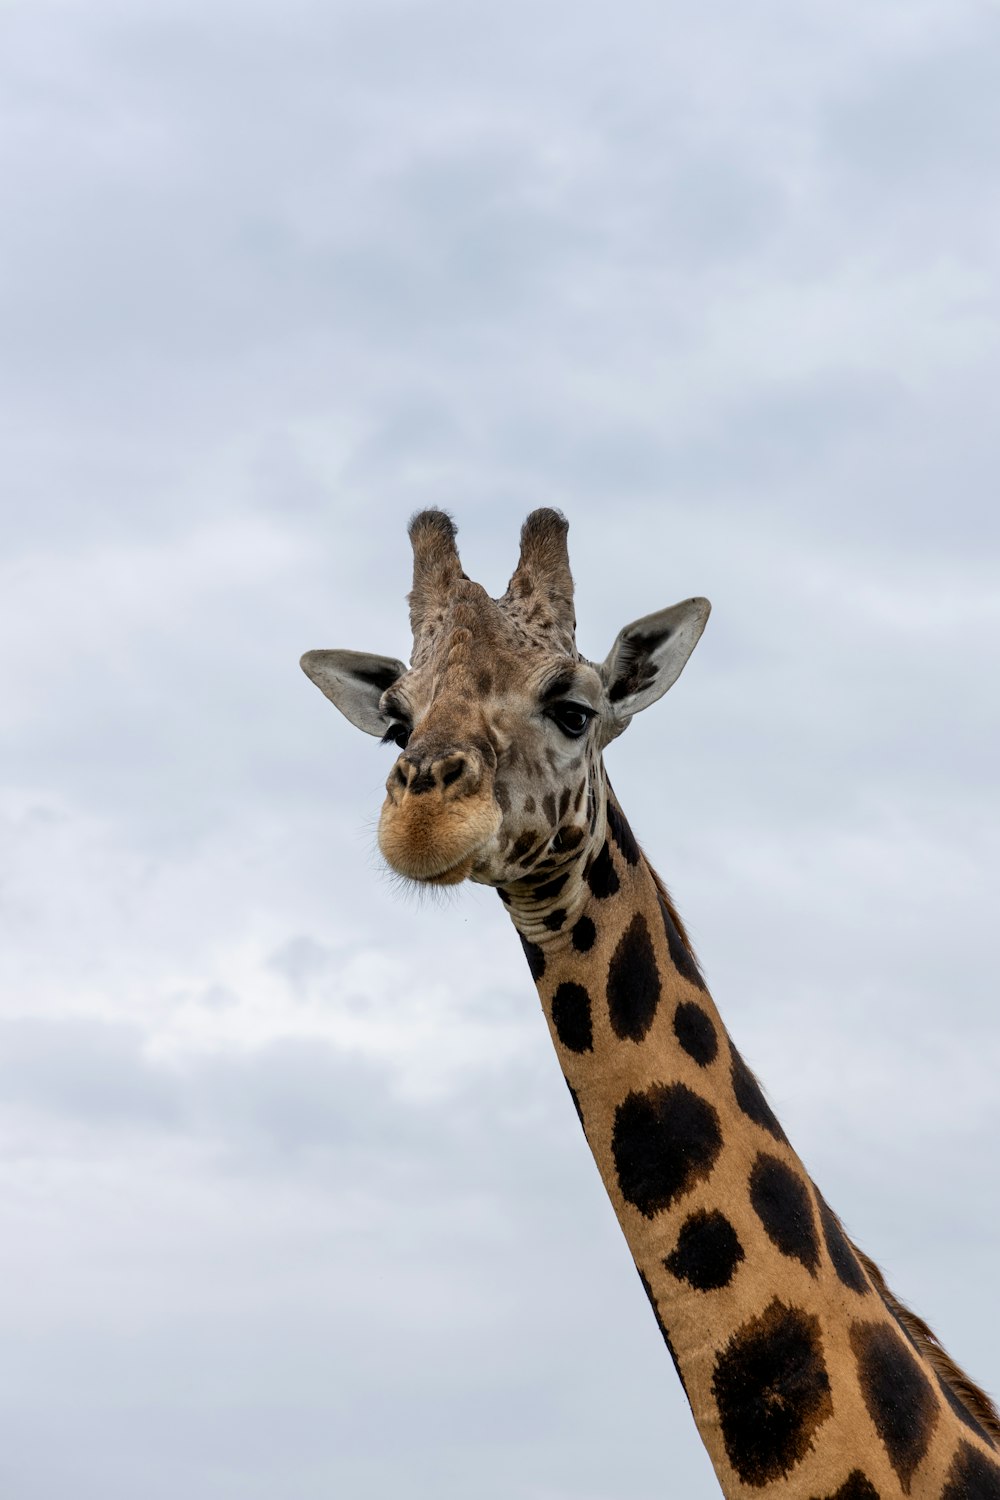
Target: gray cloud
294	1199
93	1072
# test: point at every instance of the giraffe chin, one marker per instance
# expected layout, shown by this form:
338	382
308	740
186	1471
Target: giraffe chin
454	875
450	875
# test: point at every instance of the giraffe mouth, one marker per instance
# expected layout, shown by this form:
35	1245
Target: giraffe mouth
453	875
437	844
450	875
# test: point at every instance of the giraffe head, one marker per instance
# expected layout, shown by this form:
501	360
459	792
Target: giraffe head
499	721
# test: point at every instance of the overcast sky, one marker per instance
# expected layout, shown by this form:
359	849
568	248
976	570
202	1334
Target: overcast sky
292	1199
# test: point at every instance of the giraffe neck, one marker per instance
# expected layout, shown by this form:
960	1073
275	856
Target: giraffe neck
800	1375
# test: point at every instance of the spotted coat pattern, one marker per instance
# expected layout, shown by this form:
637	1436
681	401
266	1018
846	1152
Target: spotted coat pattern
807	1379
799	1375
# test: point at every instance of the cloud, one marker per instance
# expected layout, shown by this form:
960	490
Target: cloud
294	1198
91	1072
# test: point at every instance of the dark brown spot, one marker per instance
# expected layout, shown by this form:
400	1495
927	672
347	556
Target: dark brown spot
576	1104
900	1399
962	1412
856	1486
750	1098
664	1141
696	1033
535	957
528	860
571	1017
681	956
602	876
972	1476
551	888
781	1201
707	1252
839	1249
582	934
633	982
773	1393
622	833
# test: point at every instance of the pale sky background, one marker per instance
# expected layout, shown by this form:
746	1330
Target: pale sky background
292	1198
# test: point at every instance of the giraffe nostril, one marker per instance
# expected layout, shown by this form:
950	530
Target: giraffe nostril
453	772
400	774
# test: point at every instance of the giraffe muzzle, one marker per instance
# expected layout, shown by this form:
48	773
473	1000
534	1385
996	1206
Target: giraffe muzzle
438	814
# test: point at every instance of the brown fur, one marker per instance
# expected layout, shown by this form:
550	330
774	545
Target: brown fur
675	917
972	1396
482	742
543	570
979	1404
436	565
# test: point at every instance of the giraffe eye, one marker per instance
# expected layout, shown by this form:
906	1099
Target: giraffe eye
397	734
572	718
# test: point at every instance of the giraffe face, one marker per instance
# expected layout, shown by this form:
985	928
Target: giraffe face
499	753
499	721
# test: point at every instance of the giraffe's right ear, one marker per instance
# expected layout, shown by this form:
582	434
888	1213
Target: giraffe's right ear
355	682
649	655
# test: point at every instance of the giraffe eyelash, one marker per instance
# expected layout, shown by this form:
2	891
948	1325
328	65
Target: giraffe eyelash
396	734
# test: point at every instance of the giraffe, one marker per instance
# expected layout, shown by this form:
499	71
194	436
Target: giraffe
807	1378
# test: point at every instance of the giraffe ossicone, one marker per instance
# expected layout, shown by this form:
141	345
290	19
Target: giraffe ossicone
807	1378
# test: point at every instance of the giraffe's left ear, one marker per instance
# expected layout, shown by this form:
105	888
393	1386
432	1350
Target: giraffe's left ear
649	656
355	682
